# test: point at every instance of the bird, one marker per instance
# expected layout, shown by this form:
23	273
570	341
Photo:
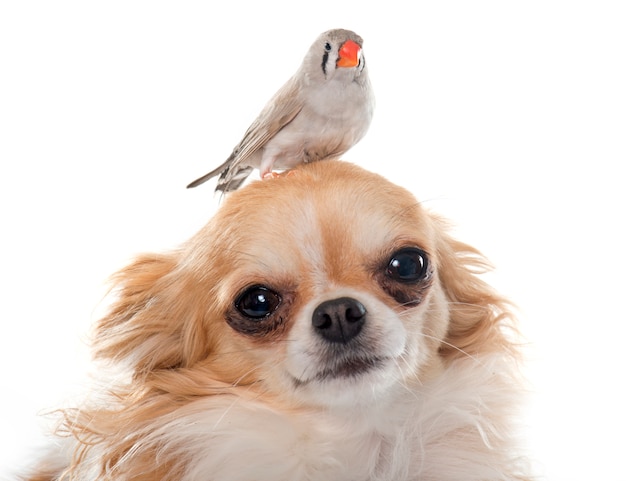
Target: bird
322	111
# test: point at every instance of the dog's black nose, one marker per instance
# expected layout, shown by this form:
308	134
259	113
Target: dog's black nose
339	320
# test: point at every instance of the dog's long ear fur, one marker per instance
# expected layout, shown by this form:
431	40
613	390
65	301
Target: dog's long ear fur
156	325
480	319
157	320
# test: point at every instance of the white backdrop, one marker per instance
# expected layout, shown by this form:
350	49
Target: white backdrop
507	117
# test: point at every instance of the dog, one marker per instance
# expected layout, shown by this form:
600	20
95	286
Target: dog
322	326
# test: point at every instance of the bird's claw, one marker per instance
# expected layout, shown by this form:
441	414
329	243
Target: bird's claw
270	175
276	175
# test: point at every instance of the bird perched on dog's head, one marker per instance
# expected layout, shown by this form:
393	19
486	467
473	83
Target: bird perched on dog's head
319	113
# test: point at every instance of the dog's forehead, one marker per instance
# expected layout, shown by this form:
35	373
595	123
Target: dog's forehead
318	224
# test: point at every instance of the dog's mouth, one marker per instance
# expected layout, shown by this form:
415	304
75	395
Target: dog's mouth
344	369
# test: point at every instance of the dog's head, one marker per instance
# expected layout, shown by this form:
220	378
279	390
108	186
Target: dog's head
327	286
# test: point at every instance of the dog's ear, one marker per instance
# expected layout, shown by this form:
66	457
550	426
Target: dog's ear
157	317
479	316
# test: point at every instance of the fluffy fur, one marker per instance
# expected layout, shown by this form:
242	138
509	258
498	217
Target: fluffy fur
425	390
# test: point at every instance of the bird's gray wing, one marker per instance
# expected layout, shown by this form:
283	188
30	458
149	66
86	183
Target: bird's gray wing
277	113
283	107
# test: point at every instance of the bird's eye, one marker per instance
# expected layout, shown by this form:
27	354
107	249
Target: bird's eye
408	265
327	47
257	302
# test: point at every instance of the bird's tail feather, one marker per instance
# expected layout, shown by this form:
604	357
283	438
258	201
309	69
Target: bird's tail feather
229	182
213	173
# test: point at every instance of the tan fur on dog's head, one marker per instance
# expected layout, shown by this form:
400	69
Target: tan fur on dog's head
246	308
171	308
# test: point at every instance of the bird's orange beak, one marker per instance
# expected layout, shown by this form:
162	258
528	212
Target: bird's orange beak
349	54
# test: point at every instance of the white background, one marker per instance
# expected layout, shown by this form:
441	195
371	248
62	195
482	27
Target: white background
507	117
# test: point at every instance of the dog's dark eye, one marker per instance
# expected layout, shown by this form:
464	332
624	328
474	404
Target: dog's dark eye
257	302
408	265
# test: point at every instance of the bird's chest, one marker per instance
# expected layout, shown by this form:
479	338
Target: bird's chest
311	137
331	120
340	103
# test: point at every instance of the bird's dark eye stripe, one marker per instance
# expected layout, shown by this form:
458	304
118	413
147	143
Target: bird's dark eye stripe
324	62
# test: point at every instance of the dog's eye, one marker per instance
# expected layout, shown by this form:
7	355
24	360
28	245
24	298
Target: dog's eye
257	302
408	265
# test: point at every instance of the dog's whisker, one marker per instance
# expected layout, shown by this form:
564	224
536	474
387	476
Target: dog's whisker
322	326
456	348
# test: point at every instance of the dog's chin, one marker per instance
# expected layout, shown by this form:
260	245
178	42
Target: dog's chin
348	382
344	370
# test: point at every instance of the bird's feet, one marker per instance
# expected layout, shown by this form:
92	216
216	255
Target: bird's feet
274	175
270	175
